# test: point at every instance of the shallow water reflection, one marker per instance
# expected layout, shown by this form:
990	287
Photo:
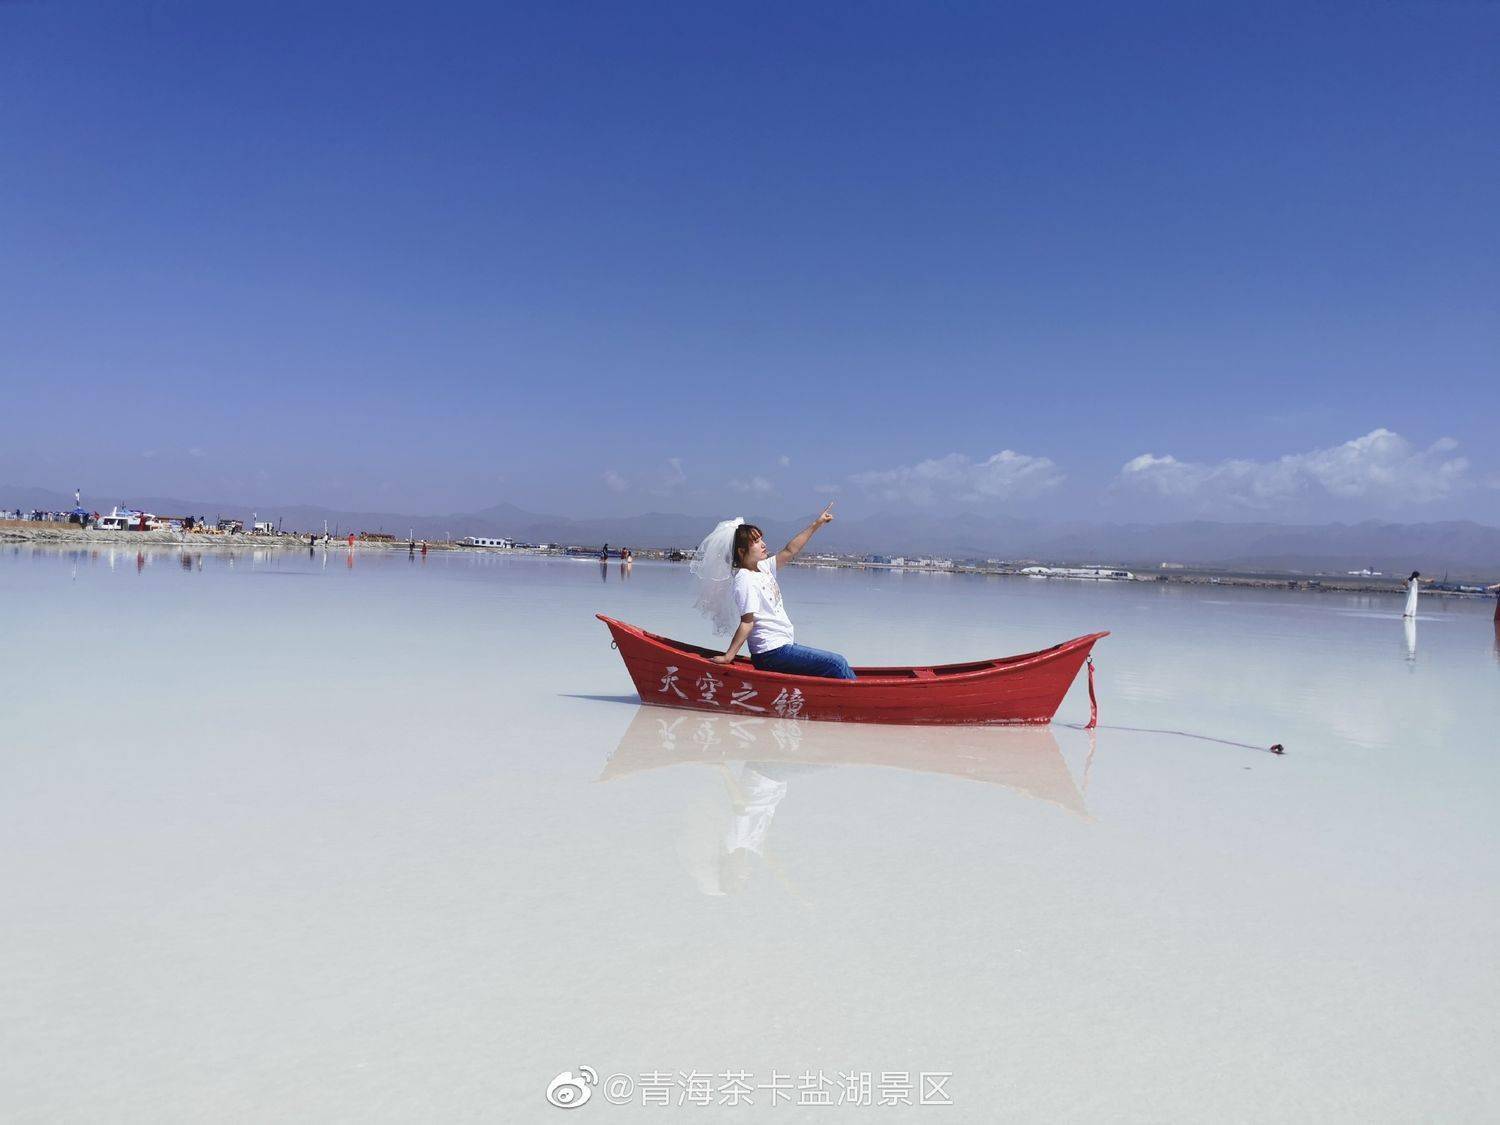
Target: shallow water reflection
754	762
390	842
1026	760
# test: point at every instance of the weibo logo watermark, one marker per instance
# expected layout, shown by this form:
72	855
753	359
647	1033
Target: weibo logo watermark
739	1087
567	1092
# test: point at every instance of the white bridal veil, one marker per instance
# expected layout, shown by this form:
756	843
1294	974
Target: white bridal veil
714	570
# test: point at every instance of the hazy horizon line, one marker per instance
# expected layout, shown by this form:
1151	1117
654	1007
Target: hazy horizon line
902	512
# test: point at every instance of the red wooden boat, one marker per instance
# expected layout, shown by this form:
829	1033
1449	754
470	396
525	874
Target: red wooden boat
1011	689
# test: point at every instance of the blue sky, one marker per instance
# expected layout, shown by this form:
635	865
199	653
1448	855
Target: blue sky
1085	261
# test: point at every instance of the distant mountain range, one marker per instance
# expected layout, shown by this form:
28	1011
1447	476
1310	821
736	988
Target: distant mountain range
1466	549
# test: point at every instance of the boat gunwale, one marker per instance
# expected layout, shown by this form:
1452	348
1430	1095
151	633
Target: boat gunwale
997	666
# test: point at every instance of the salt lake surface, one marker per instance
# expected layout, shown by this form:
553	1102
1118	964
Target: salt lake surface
290	837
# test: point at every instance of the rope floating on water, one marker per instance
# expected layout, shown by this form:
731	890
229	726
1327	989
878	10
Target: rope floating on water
1093	724
1274	748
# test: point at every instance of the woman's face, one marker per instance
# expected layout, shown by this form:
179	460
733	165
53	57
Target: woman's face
752	556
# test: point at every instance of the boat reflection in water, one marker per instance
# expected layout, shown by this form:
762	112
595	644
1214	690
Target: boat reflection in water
757	760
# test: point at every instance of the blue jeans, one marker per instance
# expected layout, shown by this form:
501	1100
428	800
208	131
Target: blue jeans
800	660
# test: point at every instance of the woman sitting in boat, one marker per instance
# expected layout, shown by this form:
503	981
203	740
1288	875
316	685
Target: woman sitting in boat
740	590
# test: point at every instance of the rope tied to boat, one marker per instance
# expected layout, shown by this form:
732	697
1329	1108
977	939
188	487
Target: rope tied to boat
1093	724
1093	701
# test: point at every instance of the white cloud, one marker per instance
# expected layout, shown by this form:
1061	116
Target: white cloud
783	460
196	451
672	478
1381	466
614	481
828	489
756	486
1005	476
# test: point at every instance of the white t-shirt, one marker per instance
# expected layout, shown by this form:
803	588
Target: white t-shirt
756	591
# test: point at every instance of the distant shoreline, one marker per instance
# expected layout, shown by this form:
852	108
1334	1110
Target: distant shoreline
35	533
1195	576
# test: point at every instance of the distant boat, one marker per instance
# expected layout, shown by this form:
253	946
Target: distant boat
127	519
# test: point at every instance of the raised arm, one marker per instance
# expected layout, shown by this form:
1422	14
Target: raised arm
794	548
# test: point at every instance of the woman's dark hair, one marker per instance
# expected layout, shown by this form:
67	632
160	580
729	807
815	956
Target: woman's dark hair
744	535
